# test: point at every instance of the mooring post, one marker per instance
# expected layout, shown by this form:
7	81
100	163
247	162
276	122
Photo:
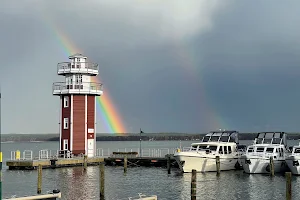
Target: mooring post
169	163
85	161
271	166
102	180
39	184
194	185
0	175
218	165
288	176
125	163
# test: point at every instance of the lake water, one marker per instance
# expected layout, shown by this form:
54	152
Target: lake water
75	184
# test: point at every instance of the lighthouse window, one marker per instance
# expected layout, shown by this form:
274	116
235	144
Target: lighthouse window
66	101
66	123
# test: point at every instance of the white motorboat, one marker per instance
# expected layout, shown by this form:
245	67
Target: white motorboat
202	156
256	160
293	160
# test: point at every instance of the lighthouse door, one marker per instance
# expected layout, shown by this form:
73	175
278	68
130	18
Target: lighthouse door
91	147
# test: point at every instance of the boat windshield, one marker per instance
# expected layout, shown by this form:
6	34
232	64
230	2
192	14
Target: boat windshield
277	138
205	147
206	138
269	150
297	150
250	149
268	138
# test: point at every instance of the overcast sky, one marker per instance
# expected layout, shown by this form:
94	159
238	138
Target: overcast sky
174	66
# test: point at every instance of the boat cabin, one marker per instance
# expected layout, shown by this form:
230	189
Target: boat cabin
221	136
220	148
267	150
270	138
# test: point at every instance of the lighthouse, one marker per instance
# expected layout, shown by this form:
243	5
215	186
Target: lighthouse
77	116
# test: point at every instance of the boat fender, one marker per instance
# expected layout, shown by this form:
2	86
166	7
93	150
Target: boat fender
237	165
56	191
268	168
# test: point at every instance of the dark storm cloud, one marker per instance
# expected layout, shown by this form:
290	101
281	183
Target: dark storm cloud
252	65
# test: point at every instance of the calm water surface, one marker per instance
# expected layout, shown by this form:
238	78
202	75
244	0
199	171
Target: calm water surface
75	184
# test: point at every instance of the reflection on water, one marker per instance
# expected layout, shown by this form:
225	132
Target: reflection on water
77	184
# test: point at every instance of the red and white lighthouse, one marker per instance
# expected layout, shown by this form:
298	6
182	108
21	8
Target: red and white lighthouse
78	94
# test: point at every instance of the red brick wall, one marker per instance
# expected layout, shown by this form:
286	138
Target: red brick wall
78	124
90	115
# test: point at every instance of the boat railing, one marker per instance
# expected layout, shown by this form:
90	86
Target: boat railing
262	154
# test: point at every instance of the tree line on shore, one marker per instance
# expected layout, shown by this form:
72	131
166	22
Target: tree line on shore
129	137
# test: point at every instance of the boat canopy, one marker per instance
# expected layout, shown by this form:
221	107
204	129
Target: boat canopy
221	136
270	138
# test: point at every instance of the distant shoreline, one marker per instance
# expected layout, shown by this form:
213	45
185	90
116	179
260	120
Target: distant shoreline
9	138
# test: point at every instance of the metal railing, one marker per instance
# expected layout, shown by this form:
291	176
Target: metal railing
149	152
45	154
77	67
82	88
26	155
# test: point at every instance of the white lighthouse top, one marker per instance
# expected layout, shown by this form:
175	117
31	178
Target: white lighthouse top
77	55
77	64
78	74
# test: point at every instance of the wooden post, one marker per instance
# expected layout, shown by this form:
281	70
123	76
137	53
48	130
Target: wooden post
288	176
169	163
218	165
102	180
85	161
271	166
39	183
194	185
0	175
125	163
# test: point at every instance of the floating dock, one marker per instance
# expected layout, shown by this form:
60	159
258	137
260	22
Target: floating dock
51	163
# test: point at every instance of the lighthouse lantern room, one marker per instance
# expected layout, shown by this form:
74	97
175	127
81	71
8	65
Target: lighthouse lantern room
77	120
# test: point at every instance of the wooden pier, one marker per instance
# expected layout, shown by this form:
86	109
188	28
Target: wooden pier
141	161
52	163
72	162
150	158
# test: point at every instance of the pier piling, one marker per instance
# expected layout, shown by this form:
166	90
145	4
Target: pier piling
125	164
85	161
169	163
102	180
39	183
288	176
271	166
0	175
194	185
218	165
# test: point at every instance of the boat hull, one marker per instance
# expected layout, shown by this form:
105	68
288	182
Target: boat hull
259	165
293	162
204	164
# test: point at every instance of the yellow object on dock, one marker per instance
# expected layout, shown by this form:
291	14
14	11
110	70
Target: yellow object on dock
178	150
18	155
0	156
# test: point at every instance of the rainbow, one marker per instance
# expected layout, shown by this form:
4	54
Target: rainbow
185	57
105	106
